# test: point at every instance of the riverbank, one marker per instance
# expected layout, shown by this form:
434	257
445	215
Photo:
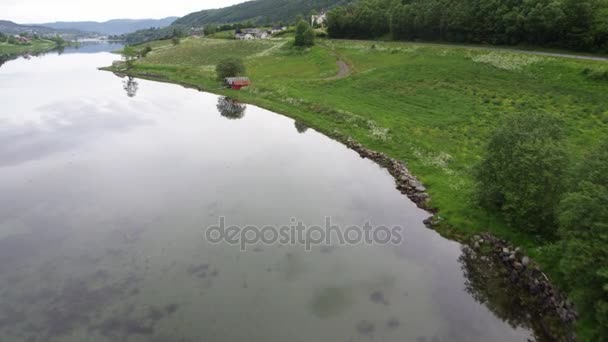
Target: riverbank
8	51
432	106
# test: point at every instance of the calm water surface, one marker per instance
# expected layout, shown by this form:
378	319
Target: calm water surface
107	186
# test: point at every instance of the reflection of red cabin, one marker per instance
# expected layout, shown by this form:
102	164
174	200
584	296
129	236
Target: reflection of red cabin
237	83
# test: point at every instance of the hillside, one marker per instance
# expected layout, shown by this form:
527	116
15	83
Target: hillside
9	27
112	27
258	11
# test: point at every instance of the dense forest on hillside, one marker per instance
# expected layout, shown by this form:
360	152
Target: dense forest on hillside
572	24
152	34
259	11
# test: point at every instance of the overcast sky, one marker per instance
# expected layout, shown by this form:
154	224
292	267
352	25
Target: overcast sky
39	11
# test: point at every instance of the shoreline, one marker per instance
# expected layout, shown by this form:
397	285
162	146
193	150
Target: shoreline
521	272
27	50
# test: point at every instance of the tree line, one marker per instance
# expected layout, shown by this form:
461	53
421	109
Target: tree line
529	178
572	24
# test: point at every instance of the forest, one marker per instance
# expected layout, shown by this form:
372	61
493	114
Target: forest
580	25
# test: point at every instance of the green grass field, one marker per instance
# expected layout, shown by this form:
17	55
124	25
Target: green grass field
432	106
36	46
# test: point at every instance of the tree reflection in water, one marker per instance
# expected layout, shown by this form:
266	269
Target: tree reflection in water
130	85
231	109
300	127
489	283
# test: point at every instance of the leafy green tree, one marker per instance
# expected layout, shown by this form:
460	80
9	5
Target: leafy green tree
305	35
129	55
583	229
230	67
520	175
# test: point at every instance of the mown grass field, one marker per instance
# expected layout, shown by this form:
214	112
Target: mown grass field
36	46
432	106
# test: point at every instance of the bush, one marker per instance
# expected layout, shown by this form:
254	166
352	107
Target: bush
230	67
146	51
520	176
175	40
305	35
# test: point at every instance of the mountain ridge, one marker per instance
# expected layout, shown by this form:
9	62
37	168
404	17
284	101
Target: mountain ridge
257	11
111	27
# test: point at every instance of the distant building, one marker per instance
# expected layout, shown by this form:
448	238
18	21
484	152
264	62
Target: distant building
197	31
22	39
278	29
320	19
251	33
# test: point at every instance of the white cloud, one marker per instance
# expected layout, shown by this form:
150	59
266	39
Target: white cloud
39	11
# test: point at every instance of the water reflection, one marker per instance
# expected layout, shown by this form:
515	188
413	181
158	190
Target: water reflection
301	127
101	232
230	108
488	282
131	86
62	126
3	60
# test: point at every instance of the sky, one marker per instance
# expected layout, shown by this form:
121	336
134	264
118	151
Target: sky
42	11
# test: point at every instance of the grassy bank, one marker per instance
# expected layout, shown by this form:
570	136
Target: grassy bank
431	106
36	46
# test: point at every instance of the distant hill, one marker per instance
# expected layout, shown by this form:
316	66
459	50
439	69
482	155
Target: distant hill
257	11
111	27
9	27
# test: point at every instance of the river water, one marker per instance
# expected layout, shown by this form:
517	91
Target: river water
108	186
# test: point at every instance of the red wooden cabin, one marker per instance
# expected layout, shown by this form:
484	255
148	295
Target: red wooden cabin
237	83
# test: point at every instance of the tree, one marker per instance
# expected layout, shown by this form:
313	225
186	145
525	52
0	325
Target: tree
574	24
305	35
520	175
230	67
129	54
583	229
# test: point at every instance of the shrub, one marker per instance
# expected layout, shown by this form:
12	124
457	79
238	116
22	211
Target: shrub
230	67
305	35
520	175
146	51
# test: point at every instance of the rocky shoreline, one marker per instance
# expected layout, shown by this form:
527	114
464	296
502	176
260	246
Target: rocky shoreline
407	183
520	269
524	273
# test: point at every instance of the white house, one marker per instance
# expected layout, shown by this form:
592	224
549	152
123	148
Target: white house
320	19
247	34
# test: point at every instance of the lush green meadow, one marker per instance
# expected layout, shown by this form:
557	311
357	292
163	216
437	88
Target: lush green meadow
432	106
36	46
